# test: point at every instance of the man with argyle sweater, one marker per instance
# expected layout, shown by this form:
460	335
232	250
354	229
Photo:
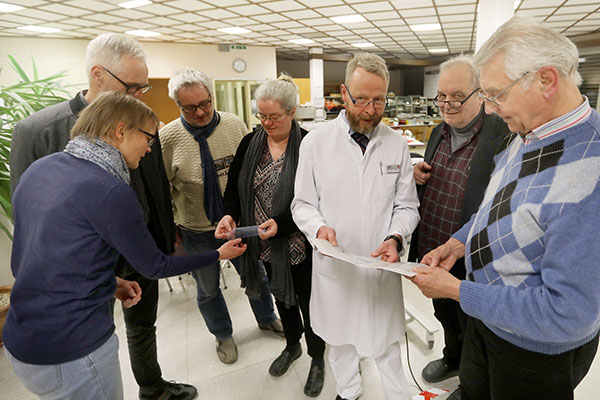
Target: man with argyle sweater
531	290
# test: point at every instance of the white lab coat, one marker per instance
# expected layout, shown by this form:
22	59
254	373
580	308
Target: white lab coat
363	200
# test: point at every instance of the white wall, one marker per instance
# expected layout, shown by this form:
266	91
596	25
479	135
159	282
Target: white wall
55	55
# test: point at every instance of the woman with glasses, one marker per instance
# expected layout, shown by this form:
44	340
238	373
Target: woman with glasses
259	192
74	213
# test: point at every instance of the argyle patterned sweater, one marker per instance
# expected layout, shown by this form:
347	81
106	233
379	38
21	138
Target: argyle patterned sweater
532	260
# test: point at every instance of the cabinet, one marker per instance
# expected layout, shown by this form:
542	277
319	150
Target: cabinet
333	105
409	106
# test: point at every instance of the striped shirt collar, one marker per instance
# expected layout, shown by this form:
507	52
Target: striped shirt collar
572	118
350	130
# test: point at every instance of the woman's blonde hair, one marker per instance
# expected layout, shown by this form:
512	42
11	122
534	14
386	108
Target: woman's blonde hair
282	90
100	119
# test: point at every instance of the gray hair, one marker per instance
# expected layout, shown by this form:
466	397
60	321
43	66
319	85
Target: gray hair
462	59
188	77
282	90
108	49
369	62
528	46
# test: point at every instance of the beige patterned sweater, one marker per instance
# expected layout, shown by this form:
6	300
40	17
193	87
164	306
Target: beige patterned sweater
181	154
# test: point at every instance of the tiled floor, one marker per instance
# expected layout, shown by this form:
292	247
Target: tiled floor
187	353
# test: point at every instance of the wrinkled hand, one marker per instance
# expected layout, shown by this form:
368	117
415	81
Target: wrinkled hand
224	228
421	172
231	249
129	292
327	233
436	283
267	229
445	256
388	251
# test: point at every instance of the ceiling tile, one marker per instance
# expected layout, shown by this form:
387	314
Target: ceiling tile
337	10
317	21
113	28
217	14
454	18
377	16
227	3
405	4
304	29
92	5
422	20
583	9
188	5
131	14
166	30
393	24
241	21
84	22
140	25
321	3
104	18
285	5
417	12
541	3
159	9
250	9
453	2
366	30
301	15
211	24
19	19
270	17
259	27
373	6
173	20
287	24
39	14
65	10
465	9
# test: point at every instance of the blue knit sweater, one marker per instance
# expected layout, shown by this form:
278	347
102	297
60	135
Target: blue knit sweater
533	274
72	219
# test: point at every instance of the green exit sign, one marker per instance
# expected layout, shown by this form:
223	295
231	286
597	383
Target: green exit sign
238	47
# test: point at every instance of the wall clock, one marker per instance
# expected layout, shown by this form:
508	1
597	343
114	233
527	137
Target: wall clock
239	65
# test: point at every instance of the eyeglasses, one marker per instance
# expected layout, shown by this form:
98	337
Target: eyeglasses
272	118
453	103
204	105
130	88
364	102
505	90
151	136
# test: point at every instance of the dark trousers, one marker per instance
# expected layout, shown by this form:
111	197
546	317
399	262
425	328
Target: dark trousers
454	321
140	327
290	317
492	368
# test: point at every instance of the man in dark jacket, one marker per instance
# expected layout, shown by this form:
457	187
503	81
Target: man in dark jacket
115	62
450	182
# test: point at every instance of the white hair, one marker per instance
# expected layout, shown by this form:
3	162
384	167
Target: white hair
107	50
188	77
369	62
462	59
282	90
528	46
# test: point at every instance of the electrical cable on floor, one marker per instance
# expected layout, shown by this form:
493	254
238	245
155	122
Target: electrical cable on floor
408	361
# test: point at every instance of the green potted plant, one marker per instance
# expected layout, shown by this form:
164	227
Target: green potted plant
16	103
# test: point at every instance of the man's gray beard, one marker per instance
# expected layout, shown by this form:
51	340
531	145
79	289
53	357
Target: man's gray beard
354	122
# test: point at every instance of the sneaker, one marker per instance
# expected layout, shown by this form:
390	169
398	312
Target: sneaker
168	391
227	350
274	326
438	370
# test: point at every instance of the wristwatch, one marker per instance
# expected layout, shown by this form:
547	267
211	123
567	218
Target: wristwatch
398	241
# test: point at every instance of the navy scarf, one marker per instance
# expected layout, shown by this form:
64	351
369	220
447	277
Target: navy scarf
213	199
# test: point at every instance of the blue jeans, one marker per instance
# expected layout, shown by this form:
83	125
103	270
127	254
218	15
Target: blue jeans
96	376
210	298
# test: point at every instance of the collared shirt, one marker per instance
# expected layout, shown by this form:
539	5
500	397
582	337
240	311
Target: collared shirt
572	118
350	130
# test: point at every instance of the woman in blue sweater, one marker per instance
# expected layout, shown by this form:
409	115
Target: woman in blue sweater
74	213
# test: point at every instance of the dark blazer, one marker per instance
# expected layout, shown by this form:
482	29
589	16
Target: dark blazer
231	199
48	131
491	135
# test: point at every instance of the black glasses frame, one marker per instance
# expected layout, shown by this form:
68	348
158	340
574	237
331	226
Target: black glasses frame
130	88
204	105
380	105
449	102
151	136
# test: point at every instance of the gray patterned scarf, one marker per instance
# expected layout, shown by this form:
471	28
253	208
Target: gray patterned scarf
106	156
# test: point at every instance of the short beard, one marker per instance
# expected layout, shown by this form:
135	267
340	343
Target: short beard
354	121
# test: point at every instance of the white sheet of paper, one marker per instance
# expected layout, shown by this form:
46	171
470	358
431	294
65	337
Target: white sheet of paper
327	249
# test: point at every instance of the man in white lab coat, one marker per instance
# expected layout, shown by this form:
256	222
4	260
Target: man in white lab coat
355	186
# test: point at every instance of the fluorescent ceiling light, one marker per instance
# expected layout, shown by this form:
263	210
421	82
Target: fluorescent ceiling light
581	60
135	3
365	44
348	19
5	7
41	29
425	27
143	33
302	41
234	30
437	50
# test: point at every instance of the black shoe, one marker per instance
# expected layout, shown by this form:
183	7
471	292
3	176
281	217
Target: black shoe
338	397
316	377
438	370
454	395
168	391
285	359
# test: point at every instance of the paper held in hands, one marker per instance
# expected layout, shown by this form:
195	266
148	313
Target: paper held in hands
327	249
